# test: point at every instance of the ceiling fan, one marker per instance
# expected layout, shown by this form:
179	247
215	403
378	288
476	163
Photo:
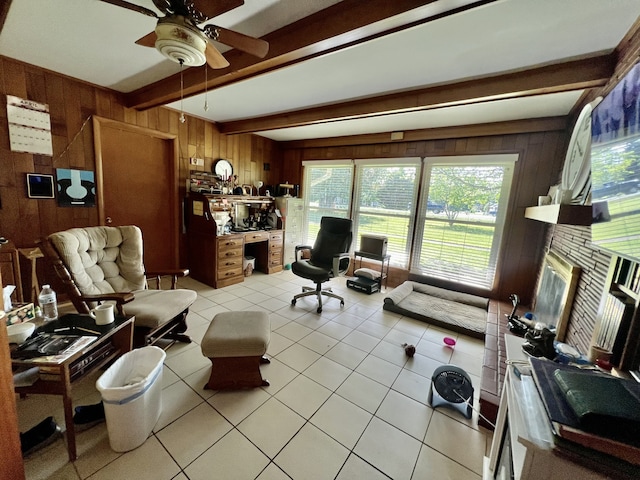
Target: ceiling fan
179	38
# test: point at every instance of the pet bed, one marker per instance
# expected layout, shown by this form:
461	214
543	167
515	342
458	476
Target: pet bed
460	312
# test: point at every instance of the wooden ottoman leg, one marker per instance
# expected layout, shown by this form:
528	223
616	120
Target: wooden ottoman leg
235	372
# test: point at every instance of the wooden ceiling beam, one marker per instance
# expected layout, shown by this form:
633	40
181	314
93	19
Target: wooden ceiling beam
531	125
568	76
344	24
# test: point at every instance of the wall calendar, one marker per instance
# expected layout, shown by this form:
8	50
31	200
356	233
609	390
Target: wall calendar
29	126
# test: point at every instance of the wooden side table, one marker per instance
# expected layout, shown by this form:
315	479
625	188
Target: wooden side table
114	340
32	254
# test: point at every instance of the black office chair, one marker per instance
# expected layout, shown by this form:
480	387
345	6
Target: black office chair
329	258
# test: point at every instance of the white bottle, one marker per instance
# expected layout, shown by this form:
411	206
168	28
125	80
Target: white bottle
48	303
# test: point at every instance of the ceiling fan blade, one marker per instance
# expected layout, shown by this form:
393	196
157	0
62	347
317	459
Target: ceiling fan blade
213	8
214	57
254	46
149	40
132	6
163	5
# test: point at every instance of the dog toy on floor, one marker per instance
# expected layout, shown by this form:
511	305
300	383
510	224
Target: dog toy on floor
410	350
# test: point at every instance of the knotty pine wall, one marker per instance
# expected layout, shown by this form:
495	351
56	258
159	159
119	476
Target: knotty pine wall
71	104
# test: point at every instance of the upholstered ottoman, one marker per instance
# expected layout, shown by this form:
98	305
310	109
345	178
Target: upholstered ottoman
236	342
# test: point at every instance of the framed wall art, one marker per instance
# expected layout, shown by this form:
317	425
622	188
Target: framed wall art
76	188
40	185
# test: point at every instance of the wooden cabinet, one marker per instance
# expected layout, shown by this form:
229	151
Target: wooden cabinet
229	256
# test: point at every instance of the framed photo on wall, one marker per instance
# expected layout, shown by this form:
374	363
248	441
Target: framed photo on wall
40	185
76	188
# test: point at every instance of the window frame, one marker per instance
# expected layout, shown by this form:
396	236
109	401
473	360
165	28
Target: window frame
508	161
356	209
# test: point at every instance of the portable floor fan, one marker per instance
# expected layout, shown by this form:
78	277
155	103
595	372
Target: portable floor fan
451	386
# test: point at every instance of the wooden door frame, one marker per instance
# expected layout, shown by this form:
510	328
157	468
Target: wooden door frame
101	122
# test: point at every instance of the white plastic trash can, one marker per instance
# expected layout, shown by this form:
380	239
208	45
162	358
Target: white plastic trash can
131	391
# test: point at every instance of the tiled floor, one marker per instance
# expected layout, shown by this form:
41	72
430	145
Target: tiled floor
345	402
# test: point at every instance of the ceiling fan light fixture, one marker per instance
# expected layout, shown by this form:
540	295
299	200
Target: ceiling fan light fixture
180	43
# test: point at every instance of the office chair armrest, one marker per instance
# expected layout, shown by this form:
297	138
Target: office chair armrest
300	248
341	263
119	298
173	273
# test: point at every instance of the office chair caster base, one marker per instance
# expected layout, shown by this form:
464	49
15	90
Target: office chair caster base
293	302
319	310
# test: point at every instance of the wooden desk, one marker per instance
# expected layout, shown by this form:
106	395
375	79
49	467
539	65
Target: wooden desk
59	377
217	260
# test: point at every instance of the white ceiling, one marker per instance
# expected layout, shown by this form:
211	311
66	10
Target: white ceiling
94	41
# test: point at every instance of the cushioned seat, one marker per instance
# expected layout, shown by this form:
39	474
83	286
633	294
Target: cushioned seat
104	264
235	342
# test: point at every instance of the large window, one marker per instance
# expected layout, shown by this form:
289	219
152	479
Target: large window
384	203
327	192
461	218
453	231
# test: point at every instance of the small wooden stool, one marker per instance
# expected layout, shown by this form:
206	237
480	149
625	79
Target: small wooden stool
236	342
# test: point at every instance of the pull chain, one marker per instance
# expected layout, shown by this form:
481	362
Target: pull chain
206	86
182	117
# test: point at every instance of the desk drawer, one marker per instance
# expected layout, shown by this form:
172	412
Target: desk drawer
276	238
230	261
253	237
226	273
275	257
229	242
229	252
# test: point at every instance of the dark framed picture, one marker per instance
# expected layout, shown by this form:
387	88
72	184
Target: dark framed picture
40	185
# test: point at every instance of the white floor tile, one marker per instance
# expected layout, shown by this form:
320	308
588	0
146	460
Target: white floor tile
298	357
342	420
328	373
379	370
271	426
233	457
149	461
388	449
311	455
303	396
235	406
445	435
357	469
203	423
362	391
405	413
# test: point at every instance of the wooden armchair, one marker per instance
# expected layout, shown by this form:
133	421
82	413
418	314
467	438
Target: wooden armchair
104	264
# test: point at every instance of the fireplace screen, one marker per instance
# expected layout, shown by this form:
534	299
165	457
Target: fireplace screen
554	294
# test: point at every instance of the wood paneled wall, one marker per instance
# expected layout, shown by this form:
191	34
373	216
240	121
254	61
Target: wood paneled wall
71	105
541	156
